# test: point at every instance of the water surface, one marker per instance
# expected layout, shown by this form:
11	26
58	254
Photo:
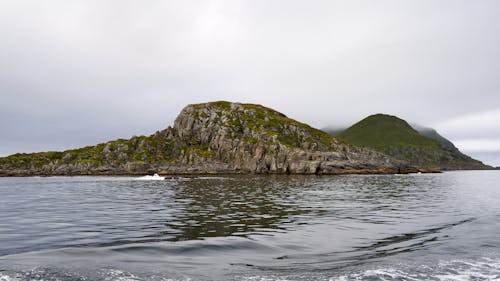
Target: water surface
355	227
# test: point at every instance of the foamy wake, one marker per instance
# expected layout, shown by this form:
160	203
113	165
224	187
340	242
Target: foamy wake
3	277
39	274
118	275
455	270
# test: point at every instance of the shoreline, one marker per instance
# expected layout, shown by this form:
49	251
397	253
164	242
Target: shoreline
381	171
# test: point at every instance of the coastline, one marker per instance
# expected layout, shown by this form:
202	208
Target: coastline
218	138
378	171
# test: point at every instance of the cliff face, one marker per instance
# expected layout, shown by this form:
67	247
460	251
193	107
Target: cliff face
217	137
395	137
252	138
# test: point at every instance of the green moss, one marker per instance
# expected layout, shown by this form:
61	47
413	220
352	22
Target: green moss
383	132
217	104
265	125
201	150
29	160
395	137
154	150
266	122
251	140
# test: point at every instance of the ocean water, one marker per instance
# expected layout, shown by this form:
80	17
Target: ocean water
353	227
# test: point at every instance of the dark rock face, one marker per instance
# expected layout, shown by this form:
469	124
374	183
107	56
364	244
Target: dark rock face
217	137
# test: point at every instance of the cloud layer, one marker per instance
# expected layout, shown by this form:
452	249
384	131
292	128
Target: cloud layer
80	72
477	134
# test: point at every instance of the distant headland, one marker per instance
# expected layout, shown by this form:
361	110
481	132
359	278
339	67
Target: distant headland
235	138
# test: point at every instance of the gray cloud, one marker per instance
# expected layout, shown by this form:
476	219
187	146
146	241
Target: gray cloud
81	72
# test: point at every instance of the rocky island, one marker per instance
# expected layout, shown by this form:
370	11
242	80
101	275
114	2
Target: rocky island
215	137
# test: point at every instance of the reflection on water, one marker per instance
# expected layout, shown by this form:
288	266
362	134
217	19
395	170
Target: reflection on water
231	207
239	206
216	228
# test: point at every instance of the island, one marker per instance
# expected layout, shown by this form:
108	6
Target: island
230	138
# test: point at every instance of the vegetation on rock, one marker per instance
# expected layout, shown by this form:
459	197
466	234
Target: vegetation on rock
395	137
215	137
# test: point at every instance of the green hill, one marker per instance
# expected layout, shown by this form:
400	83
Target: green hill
395	137
433	134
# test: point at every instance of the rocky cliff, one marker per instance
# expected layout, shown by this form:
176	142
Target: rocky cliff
216	137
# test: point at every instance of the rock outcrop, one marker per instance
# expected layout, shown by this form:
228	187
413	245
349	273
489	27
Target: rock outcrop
216	137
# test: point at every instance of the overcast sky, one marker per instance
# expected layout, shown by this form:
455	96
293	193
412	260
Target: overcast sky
76	73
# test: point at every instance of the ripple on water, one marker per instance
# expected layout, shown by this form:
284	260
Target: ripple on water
252	227
479	269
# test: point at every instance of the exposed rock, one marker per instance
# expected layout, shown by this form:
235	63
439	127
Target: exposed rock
217	137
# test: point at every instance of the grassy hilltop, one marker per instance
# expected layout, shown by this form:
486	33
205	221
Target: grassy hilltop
395	137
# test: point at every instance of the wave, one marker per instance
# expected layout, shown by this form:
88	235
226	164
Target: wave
478	269
47	274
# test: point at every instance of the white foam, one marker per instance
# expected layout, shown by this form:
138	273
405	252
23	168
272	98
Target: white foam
263	278
482	269
380	273
455	270
9	278
154	177
118	275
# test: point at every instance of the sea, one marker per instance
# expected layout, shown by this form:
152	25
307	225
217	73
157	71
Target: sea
258	228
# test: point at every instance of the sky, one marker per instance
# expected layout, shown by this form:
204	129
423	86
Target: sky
75	73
